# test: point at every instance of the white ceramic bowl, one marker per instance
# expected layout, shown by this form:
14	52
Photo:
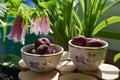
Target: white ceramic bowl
87	58
41	63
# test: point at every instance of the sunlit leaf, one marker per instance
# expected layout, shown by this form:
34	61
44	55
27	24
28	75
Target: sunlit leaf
82	5
4	32
3	9
13	6
111	5
105	23
116	57
13	3
78	20
47	3
11	60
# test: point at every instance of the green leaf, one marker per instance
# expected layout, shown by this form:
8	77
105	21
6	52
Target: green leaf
3	9
4	32
13	3
3	25
13	6
105	23
82	6
116	57
110	34
24	9
11	60
110	6
7	64
77	19
47	4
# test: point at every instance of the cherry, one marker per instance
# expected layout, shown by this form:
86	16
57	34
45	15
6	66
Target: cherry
42	41
52	50
42	49
79	40
95	43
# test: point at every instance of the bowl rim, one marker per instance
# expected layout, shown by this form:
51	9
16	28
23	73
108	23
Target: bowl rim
83	47
38	55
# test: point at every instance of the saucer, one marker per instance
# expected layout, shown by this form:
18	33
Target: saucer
29	75
66	67
76	76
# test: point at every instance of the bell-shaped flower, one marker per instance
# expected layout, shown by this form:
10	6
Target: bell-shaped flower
35	27
18	31
40	26
45	25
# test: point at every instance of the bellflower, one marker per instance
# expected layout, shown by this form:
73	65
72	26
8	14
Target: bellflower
40	26
45	25
18	31
35	27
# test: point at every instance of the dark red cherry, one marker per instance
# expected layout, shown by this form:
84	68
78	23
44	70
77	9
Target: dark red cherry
42	41
79	40
43	49
95	43
52	51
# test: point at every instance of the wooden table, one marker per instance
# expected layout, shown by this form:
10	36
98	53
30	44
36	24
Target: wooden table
67	71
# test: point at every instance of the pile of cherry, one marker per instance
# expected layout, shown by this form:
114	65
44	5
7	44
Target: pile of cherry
42	46
87	42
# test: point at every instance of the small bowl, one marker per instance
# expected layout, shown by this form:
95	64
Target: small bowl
87	58
41	63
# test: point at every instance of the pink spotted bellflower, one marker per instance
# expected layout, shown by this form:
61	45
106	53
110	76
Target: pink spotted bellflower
37	26
18	31
40	26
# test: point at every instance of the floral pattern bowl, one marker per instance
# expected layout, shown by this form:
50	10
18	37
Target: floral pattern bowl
41	63
87	58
